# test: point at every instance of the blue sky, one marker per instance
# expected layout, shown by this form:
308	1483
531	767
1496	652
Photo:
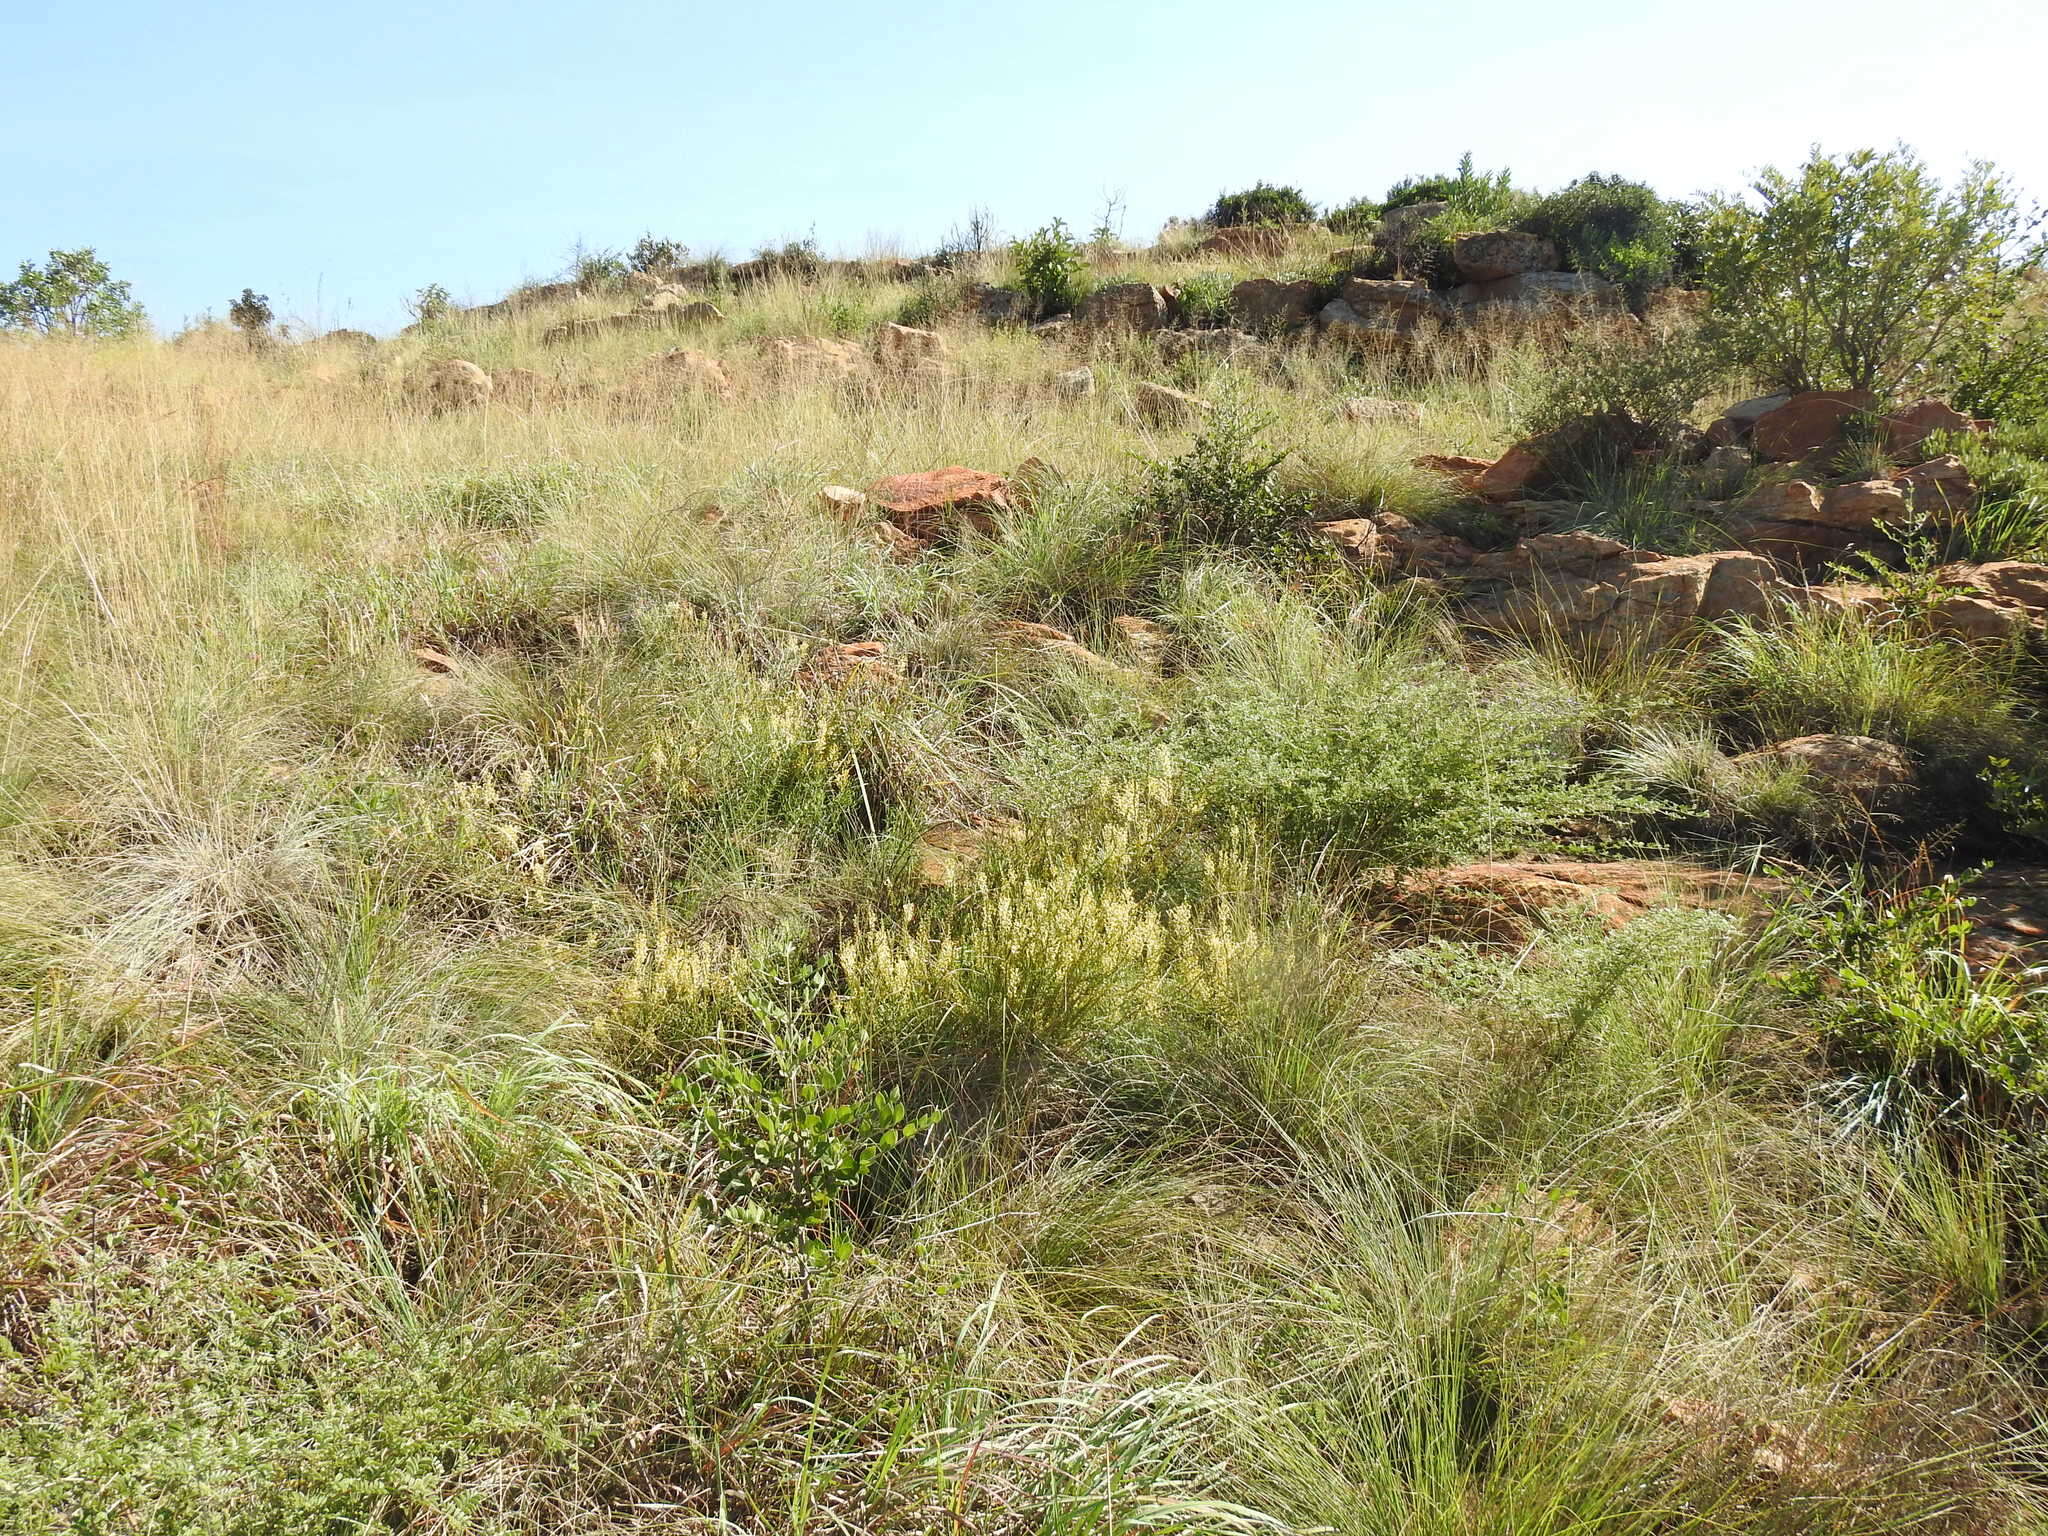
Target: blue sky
338	158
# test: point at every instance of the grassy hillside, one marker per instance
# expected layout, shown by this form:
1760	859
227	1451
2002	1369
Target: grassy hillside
500	1034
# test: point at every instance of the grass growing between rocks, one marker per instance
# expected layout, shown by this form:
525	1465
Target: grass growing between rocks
484	1045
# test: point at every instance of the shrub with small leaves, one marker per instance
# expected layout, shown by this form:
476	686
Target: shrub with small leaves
1225	489
1262	204
651	253
431	305
251	313
1205	298
1051	267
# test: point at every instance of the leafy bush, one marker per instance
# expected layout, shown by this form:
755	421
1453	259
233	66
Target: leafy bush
1051	267
430	305
793	1131
2001	371
1613	227
598	269
1225	488
1862	270
1261	204
1889	980
1357	218
1479	199
651	253
72	294
1621	369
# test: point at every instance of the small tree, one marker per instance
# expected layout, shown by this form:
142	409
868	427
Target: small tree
251	314
1862	270
72	294
1262	204
650	253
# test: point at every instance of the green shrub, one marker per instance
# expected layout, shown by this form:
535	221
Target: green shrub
1356	219
509	499
1613	227
1261	204
794	1129
651	253
431	305
1051	267
1225	488
2001	371
1888	978
1655	380
1862	270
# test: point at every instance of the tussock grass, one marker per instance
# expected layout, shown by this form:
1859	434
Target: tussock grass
399	813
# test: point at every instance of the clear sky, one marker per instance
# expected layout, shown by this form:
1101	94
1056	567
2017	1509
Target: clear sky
339	157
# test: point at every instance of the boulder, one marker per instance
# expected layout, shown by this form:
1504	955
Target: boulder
1734	424
1238	347
1074	384
1147	642
1399	235
1391	542
1906	431
453	384
1511	474
1938	486
2013	581
1267	305
903	349
1542	295
858	663
1862	506
1869	771
1053	330
1002	306
935	505
1461	468
844	503
1806	424
1158	406
519	386
1487	258
1506	903
1393	303
575	328
812	357
1124	307
1370	410
694	372
1247	240
346	338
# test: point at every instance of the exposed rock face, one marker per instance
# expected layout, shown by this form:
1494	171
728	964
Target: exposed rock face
1002	306
1799	524
844	502
1735	422
1996	602
1461	468
1393	303
903	349
575	328
1401	229
519	386
1542	295
1147	641
812	357
1045	640
346	338
1370	410
454	384
937	504
1075	384
1938	486
1218	346
689	370
1266	304
859	663
1159	406
1805	424
1506	903
1124	307
1512	473
1869	771
1487	258
1906	431
1587	587
1257	240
